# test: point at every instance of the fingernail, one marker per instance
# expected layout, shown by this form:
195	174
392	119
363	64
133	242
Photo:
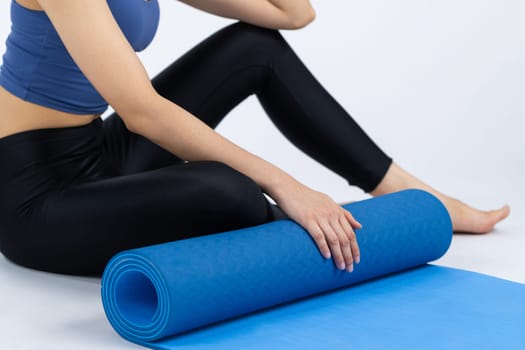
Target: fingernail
350	268
357	259
327	255
341	265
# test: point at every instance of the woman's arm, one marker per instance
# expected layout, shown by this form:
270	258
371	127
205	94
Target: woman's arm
98	46
274	14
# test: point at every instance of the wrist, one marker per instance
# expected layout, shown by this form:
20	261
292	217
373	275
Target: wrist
279	186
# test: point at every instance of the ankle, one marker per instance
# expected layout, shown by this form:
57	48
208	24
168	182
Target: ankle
395	179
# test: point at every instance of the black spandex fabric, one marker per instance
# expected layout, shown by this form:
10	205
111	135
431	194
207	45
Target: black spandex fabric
71	198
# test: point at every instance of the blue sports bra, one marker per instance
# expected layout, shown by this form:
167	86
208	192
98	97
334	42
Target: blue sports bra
36	66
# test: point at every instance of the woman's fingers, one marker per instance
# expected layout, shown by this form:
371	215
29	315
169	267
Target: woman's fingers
319	238
352	220
344	242
336	246
352	238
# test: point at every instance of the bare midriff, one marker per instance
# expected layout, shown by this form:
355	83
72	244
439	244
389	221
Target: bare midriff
17	115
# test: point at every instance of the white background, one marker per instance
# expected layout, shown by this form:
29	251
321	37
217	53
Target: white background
437	84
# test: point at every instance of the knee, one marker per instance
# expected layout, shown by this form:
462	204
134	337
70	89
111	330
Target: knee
237	194
259	41
234	184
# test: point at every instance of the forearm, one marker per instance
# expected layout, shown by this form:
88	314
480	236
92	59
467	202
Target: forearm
274	14
186	136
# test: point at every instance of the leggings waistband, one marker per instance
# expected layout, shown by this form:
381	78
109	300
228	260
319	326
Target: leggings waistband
45	133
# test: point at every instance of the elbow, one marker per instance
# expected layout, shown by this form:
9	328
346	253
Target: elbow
131	122
303	19
136	112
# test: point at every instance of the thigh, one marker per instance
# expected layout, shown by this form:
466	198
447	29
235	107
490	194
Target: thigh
83	226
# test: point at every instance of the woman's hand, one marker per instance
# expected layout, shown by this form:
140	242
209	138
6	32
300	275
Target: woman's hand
330	225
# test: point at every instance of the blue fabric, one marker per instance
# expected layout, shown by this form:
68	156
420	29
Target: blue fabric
138	20
37	67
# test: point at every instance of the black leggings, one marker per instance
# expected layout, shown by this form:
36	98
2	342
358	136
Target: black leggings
71	198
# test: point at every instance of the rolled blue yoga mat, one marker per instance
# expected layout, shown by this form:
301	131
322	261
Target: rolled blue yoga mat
156	296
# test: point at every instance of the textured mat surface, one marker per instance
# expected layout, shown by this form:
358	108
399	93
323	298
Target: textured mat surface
430	307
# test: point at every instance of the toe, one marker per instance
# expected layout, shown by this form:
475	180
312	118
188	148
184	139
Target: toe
502	213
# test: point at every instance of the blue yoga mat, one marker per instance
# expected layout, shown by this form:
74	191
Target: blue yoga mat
172	296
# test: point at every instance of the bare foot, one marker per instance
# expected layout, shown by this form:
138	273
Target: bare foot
465	219
470	220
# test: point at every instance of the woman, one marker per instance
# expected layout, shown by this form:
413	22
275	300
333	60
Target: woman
75	190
